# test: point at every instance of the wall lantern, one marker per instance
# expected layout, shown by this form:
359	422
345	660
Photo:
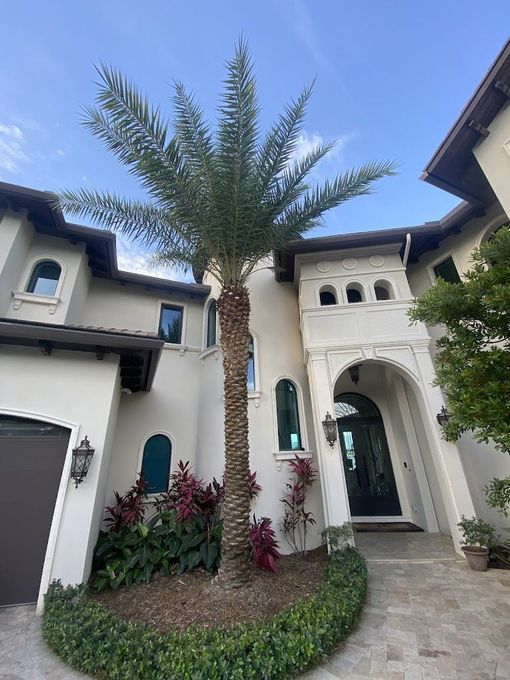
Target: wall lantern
82	455
443	416
354	373
330	429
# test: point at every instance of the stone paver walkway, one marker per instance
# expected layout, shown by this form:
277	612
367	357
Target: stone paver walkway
428	617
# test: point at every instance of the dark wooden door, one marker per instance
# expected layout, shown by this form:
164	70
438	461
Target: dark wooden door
32	456
366	458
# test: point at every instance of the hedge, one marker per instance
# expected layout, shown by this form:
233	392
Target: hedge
93	640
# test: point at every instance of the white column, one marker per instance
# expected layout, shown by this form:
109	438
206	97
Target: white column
332	477
446	457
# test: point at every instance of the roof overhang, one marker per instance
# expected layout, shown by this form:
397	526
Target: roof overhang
453	166
139	353
423	237
100	245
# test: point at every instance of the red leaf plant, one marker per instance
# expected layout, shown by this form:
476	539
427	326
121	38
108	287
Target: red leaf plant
253	486
129	507
264	544
296	520
189	496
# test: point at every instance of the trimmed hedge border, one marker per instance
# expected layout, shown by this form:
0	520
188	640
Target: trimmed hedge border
93	640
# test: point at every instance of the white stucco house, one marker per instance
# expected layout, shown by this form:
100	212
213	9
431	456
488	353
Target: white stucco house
131	362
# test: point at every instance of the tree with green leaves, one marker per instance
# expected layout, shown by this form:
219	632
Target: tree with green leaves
218	200
473	361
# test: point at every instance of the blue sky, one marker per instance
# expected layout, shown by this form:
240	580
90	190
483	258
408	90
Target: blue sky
392	76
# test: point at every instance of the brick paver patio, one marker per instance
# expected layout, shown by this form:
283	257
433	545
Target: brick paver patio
428	616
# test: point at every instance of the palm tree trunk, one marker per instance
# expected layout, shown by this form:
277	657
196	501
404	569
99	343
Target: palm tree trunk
234	313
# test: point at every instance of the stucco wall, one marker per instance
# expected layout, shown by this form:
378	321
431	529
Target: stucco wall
81	393
274	322
15	238
493	155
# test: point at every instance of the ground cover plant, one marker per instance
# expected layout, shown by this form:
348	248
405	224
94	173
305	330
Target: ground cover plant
94	639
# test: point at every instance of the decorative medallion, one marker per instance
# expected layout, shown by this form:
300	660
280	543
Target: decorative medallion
349	263
323	266
376	260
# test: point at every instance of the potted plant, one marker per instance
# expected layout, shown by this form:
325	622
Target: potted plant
478	537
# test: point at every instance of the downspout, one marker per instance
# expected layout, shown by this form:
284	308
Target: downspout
406	250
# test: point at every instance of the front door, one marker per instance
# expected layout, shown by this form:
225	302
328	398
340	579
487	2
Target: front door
367	463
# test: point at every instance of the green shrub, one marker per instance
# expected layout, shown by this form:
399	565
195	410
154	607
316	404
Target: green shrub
93	640
477	532
135	553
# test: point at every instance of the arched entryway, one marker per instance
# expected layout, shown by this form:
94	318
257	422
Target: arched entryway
32	454
367	463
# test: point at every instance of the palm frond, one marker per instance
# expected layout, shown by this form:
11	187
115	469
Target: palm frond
357	182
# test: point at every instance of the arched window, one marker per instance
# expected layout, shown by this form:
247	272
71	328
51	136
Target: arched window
157	454
211	324
354	293
287	413
251	365
327	296
383	290
44	278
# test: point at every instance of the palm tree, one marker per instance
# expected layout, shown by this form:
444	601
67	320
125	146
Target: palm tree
219	201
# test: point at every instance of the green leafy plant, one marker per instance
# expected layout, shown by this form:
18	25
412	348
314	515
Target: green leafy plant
477	532
93	640
338	537
497	495
218	200
473	363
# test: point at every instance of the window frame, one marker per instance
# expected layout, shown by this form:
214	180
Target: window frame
305	452
206	346
175	305
355	284
438	260
171	468
388	284
328	288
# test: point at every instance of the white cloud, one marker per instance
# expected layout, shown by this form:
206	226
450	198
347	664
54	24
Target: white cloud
60	152
12	155
308	141
132	258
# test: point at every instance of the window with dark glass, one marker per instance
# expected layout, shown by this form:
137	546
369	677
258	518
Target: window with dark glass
287	412
157	454
211	324
327	298
447	271
170	324
383	290
251	365
354	295
44	278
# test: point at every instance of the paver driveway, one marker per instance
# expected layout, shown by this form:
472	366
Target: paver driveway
428	616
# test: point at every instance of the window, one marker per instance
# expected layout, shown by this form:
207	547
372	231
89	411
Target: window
251	365
157	454
211	324
354	293
327	296
383	290
44	278
287	413
170	324
447	271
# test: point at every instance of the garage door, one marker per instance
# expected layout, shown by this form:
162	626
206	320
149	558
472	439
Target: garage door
31	459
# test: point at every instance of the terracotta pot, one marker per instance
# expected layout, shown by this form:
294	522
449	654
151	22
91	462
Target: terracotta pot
477	557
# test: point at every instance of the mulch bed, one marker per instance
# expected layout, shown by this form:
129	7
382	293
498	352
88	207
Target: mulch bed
177	602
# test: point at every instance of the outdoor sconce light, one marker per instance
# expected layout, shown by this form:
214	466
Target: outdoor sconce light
330	429
354	373
443	416
82	455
